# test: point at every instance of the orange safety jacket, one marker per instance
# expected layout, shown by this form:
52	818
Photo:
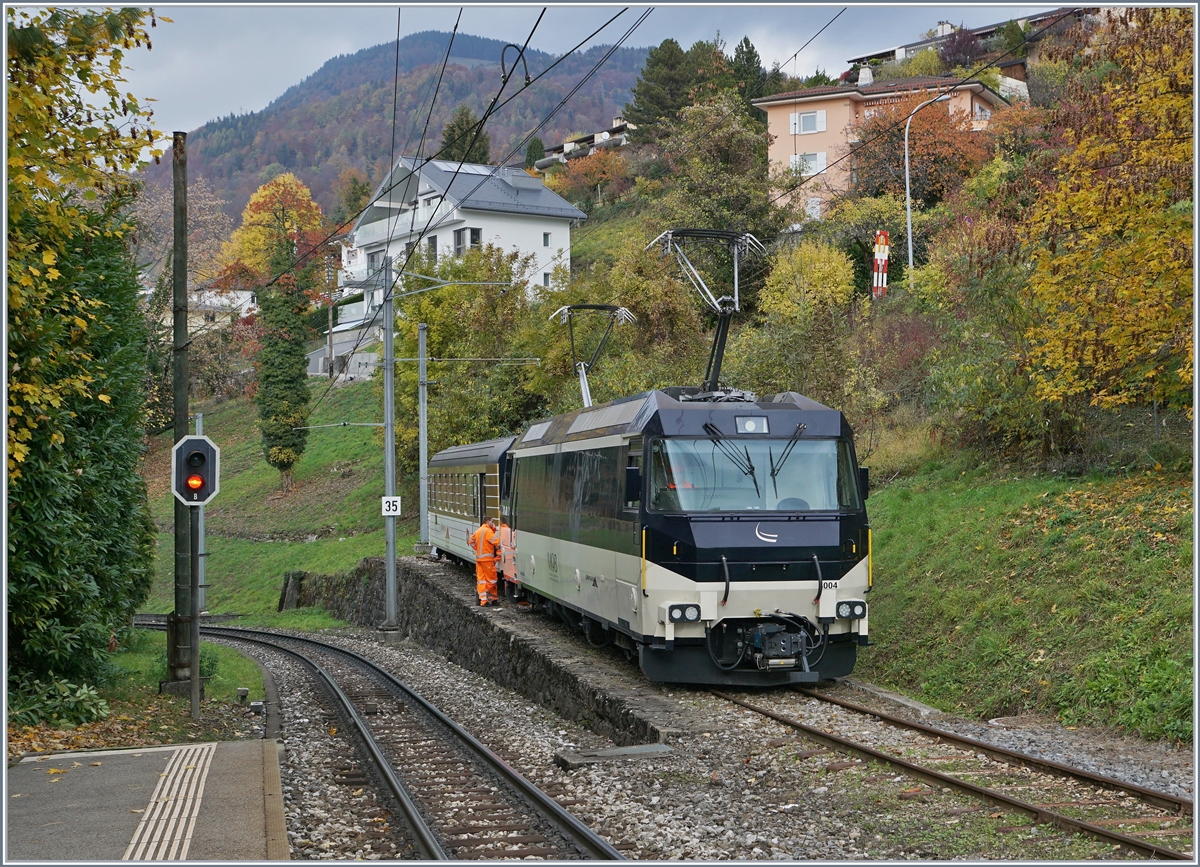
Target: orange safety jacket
486	543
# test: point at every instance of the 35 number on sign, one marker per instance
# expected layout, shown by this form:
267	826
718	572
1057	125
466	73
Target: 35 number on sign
391	507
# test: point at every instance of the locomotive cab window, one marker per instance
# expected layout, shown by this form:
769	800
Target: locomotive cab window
751	474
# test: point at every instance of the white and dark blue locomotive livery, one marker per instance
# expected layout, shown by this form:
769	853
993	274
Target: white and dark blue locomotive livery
722	541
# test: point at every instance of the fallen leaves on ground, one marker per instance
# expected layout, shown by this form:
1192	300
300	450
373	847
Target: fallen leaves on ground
155	720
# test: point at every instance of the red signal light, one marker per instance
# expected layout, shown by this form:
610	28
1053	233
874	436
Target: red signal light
195	482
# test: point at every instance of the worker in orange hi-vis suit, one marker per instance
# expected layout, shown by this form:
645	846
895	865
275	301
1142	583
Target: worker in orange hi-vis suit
506	566
486	543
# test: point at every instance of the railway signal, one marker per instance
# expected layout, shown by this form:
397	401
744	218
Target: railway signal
880	265
195	470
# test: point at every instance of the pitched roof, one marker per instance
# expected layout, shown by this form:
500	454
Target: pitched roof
471	186
884	88
1032	21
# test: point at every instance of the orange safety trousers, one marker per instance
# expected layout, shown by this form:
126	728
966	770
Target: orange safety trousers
485	580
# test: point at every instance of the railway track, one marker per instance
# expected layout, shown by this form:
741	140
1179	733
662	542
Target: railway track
458	800
1136	819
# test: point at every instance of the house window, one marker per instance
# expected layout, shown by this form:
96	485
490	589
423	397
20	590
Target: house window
546	279
545	239
809	164
409	246
431	246
982	112
375	260
808	122
463	237
813	208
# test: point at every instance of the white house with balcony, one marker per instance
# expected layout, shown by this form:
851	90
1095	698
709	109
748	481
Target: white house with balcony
447	209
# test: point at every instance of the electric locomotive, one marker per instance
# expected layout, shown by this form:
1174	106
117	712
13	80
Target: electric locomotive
722	542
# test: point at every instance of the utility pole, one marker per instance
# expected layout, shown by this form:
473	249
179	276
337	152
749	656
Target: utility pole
178	645
389	438
423	438
329	288
200	600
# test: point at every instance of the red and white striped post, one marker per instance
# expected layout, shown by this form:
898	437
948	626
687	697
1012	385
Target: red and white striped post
879	275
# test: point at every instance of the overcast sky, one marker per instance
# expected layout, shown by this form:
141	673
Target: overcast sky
212	61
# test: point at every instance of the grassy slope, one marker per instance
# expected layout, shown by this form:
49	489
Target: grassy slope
600	238
995	595
326	523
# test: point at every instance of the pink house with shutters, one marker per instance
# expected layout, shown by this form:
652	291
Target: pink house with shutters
813	129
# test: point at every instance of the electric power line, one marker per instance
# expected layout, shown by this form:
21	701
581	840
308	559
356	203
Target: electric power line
390	289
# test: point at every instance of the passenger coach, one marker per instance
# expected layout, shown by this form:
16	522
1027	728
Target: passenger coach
464	489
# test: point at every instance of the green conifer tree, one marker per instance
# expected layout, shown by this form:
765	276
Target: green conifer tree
534	152
747	69
661	90
459	139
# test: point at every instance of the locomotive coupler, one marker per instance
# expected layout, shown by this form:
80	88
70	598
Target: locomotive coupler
775	646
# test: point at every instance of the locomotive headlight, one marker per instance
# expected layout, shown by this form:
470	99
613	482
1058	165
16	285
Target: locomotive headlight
683	613
851	609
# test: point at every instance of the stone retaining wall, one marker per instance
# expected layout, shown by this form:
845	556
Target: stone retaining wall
512	645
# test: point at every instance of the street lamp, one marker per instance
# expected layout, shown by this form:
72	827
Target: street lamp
907	184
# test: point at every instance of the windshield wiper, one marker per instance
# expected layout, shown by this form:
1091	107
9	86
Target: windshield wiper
741	461
776	468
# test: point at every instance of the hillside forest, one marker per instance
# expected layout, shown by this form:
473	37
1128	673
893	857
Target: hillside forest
1046	323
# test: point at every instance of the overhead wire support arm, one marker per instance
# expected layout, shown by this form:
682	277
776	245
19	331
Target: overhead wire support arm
725	306
566	314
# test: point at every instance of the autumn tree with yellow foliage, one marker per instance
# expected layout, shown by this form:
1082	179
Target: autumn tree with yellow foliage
802	341
1112	232
279	209
80	541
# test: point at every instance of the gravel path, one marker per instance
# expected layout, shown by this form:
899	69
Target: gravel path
748	789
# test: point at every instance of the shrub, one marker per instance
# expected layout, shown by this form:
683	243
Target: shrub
56	701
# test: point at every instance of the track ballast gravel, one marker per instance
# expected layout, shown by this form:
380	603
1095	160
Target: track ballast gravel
749	789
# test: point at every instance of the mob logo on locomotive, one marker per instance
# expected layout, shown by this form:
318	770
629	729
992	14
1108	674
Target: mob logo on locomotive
766	537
